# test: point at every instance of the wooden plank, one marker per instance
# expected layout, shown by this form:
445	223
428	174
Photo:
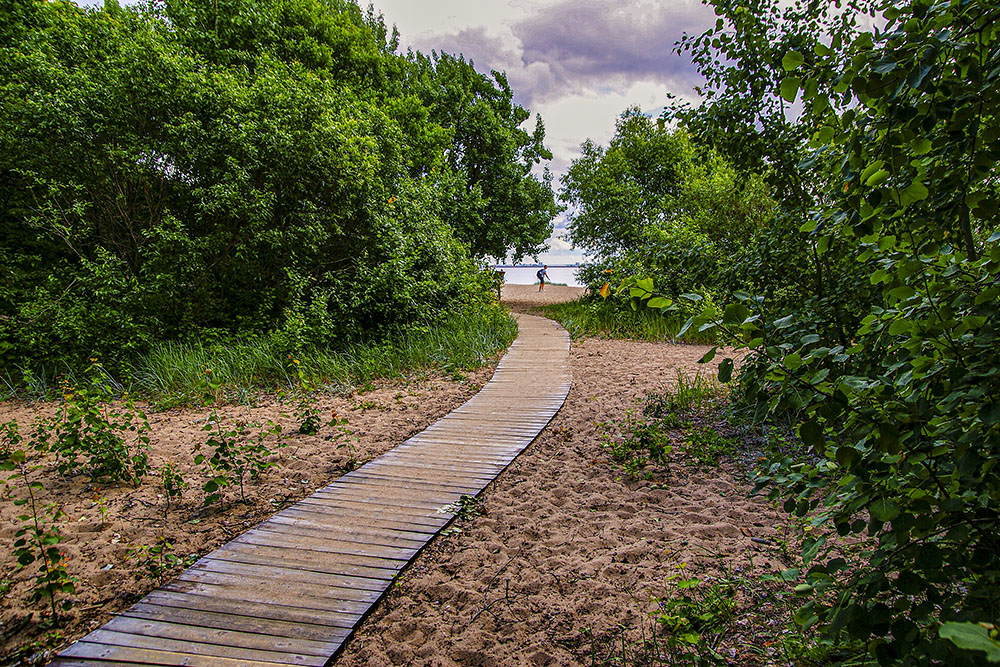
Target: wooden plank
348	533
146	651
371	555
272	612
324	634
291	574
446	485
218	636
262	580
300	597
266	554
327	510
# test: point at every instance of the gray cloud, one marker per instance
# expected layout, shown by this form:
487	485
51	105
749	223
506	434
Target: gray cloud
587	42
578	44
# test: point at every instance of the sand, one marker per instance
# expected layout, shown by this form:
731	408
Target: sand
565	561
570	553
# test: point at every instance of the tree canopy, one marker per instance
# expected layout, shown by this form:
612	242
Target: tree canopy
186	166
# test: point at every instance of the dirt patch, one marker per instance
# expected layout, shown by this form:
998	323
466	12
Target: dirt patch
571	552
103	526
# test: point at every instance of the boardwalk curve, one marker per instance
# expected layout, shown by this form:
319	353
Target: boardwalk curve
291	590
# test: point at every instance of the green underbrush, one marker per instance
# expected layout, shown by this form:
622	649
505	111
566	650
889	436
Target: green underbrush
609	319
176	373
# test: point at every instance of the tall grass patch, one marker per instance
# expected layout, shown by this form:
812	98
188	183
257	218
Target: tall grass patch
609	319
179	372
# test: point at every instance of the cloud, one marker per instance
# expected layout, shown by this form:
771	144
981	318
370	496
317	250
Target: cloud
572	47
588	43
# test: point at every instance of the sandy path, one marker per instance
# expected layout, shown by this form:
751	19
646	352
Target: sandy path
569	552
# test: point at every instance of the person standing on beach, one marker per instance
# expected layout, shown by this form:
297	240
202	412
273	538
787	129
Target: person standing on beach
542	277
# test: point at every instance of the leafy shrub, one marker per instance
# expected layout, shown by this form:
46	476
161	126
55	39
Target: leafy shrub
113	441
237	452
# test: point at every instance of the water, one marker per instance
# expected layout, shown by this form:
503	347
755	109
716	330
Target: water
525	275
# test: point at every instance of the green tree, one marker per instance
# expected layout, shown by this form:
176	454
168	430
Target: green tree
899	416
650	203
245	167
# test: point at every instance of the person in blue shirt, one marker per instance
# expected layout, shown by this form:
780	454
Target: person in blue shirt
542	276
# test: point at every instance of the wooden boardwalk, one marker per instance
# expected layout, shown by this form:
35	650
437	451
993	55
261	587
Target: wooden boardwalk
290	591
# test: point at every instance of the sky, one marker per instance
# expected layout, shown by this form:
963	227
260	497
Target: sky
578	63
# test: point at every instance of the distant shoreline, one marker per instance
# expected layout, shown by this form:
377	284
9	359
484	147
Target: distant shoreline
531	266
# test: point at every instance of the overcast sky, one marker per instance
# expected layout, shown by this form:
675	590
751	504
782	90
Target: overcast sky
578	63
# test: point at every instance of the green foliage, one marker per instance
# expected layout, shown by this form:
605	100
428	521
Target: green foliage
238	451
693	617
700	394
114	441
634	444
172	483
591	317
175	372
973	637
38	537
253	168
890	369
653	204
705	446
157	558
302	392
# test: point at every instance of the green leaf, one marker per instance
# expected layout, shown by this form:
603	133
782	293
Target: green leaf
916	191
878	178
735	313
659	302
708	356
811	433
790	88
884	510
791	60
726	370
921	146
972	637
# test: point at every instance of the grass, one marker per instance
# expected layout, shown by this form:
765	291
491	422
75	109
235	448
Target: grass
175	373
583	317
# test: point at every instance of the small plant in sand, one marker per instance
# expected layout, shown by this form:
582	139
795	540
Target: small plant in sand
209	386
690	396
101	503
113	443
345	439
706	446
693	617
37	539
238	452
640	444
303	392
157	558
172	483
